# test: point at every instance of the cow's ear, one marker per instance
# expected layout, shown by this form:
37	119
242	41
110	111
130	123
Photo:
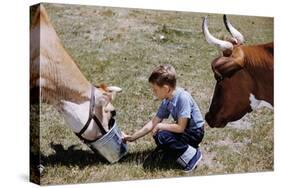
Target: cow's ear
114	89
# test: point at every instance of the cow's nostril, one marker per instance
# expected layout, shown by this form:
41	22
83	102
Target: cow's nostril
113	113
208	119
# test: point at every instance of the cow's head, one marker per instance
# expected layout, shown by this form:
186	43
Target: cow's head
76	115
230	100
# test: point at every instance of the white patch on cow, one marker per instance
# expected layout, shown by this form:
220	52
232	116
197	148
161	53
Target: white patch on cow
76	115
255	103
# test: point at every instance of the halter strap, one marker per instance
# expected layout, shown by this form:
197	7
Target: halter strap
91	116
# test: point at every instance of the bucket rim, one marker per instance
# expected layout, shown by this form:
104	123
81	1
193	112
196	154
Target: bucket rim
110	131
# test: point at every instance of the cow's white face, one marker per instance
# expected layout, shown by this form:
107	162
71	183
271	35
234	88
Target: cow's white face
76	115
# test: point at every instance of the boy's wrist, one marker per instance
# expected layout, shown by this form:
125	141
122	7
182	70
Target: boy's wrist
134	137
161	126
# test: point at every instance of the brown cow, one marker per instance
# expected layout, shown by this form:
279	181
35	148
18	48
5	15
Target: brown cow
55	77
244	76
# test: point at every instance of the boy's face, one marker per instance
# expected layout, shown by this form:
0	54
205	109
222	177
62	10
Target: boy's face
160	92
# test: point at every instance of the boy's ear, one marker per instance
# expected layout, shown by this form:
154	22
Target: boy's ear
167	87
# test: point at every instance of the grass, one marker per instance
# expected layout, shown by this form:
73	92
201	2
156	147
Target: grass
121	47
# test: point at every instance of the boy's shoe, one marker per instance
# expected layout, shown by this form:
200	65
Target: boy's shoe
192	164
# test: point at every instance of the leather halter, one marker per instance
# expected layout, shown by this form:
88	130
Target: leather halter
91	116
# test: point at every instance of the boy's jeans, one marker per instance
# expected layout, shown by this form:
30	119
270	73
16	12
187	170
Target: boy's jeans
175	144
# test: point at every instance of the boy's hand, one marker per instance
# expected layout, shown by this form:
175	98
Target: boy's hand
128	138
156	129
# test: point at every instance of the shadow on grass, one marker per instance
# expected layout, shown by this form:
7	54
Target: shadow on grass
82	158
71	157
151	160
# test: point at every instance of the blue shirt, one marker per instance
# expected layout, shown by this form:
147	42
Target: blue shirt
182	105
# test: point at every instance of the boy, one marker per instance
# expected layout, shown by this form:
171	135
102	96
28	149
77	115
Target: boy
180	140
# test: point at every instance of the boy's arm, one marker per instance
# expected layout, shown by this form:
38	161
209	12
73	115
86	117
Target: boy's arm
144	130
172	127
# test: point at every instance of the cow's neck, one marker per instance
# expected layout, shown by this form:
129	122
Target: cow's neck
263	83
60	78
259	64
64	87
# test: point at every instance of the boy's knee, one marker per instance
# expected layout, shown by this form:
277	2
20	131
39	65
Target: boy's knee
162	137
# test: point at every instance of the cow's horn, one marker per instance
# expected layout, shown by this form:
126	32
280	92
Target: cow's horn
223	45
234	32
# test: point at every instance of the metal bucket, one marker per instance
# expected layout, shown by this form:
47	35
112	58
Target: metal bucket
110	145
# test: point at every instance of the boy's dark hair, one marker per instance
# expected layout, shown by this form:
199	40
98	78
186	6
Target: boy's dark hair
163	75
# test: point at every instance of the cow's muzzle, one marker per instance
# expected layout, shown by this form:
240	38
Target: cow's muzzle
213	121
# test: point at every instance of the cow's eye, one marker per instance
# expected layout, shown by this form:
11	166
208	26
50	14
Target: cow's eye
218	78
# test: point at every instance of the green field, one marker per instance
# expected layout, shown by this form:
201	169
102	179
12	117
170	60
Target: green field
121	47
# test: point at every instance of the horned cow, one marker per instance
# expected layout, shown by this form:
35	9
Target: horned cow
244	77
